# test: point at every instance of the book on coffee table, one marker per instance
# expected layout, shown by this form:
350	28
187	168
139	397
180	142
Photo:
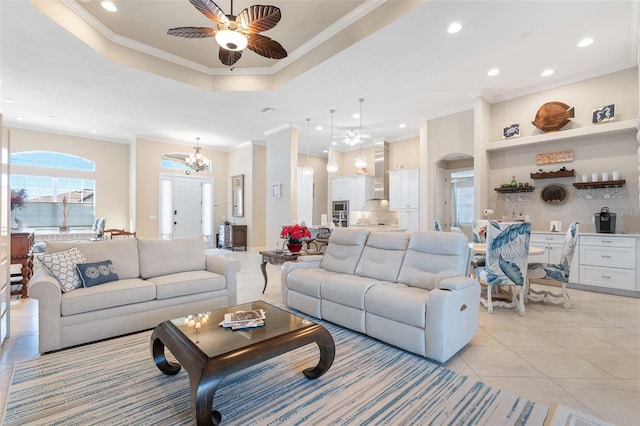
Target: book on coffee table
244	319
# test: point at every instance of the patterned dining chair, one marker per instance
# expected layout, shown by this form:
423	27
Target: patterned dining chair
503	276
558	273
436	225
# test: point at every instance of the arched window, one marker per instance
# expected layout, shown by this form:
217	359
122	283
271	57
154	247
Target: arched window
43	203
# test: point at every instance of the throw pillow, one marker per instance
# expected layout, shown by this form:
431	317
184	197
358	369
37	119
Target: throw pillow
62	265
96	273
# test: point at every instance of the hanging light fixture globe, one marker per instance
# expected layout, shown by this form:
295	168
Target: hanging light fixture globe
361	160
231	40
332	166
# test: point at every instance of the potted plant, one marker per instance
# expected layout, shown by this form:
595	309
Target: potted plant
294	235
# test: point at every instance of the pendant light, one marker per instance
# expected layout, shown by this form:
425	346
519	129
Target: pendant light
332	166
307	170
361	160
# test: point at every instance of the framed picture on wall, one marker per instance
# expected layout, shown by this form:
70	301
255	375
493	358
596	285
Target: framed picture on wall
511	131
275	190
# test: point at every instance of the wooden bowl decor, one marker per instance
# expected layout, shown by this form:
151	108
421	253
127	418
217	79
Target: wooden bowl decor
553	116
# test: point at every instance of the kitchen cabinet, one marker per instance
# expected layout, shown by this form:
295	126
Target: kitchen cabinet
362	192
355	189
609	262
342	188
409	219
404	189
552	243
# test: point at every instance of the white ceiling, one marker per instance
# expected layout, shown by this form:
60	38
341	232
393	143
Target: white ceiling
408	71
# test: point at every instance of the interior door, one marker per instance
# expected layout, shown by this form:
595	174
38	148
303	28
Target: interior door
187	207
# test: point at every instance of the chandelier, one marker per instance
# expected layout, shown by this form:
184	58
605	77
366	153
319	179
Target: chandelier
197	161
361	160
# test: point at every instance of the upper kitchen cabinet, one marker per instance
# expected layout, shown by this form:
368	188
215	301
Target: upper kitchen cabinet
362	192
404	189
355	189
342	188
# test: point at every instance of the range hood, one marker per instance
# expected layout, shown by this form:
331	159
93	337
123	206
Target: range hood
381	171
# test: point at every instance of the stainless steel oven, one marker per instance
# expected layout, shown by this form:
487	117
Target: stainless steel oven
340	214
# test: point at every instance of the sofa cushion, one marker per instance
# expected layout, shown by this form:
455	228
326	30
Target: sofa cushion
184	283
96	273
163	257
123	253
307	281
433	256
398	302
345	289
383	255
344	250
109	295
62	265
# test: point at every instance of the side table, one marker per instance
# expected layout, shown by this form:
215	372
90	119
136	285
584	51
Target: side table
275	259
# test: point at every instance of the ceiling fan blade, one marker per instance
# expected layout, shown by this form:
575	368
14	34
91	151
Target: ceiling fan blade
211	11
229	57
258	18
266	47
192	32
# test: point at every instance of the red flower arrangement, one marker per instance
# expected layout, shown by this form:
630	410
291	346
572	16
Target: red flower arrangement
18	198
295	233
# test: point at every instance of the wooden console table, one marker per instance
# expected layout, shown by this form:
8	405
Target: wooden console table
22	254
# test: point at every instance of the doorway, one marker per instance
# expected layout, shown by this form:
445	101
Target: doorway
185	207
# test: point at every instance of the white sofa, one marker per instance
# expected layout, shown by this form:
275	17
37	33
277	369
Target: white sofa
158	280
409	290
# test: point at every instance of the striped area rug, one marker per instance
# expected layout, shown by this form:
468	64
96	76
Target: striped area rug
115	382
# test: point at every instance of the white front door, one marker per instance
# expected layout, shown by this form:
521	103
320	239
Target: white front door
187	207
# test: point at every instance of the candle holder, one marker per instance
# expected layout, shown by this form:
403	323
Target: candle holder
196	320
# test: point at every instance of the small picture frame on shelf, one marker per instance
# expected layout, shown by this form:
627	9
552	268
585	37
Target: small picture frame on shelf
275	190
511	131
603	114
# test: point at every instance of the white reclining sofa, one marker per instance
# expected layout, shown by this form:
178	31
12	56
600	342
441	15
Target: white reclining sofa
157	280
410	290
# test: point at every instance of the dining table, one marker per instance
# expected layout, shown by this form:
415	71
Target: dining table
481	248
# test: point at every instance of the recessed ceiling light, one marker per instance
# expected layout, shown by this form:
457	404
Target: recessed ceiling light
547	72
94	131
52	116
107	5
9	100
493	72
454	28
18	118
402	125
325	150
334	143
587	41
356	115
319	127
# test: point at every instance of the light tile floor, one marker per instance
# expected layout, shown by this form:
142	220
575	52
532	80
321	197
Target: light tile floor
586	357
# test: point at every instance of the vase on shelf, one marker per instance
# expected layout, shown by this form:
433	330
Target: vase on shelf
294	247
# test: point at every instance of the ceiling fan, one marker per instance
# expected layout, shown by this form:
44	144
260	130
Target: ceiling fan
234	33
352	137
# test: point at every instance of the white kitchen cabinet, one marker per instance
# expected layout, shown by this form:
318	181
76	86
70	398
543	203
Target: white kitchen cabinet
404	189
409	219
362	192
342	188
609	261
552	244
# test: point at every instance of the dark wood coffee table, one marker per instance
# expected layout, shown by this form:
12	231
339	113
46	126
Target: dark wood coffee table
220	351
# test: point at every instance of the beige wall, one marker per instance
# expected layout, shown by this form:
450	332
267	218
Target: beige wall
257	238
404	153
148	154
111	174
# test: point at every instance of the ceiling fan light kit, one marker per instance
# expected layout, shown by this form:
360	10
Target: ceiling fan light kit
235	33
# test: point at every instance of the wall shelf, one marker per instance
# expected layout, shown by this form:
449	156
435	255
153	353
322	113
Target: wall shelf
563	135
607	184
557	174
514	189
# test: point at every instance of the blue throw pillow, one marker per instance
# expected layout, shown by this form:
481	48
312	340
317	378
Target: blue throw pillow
92	274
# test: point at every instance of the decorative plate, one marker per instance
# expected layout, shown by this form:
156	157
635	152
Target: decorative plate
554	194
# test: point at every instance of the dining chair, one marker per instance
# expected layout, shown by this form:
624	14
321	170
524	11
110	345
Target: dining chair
503	276
478	237
556	273
436	225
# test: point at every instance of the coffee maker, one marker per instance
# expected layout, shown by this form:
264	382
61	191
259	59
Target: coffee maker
605	221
